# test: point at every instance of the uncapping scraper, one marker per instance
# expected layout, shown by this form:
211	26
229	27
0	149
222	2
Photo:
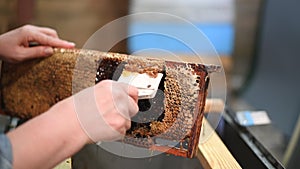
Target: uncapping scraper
147	85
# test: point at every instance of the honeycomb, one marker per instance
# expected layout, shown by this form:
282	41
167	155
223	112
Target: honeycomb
175	113
169	122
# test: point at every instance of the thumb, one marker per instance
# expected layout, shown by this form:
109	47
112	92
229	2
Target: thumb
37	51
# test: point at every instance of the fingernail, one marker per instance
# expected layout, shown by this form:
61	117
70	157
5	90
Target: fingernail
72	43
48	51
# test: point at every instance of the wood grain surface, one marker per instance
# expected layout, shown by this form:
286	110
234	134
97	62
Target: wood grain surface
212	153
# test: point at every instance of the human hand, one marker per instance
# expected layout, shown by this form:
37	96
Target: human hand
98	113
104	110
14	45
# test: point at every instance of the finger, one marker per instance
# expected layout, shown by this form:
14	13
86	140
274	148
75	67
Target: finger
130	90
37	51
50	41
116	122
133	107
122	130
122	133
132	100
45	30
48	31
133	93
127	125
126	107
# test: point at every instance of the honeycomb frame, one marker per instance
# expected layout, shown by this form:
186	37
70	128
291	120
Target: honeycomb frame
30	88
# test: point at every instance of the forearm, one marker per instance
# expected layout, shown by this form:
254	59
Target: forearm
47	139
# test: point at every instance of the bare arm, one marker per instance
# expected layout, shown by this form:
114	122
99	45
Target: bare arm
47	139
57	134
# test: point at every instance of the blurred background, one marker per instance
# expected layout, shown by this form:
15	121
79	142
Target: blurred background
257	41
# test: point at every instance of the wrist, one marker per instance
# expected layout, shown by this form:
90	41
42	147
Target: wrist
55	133
69	123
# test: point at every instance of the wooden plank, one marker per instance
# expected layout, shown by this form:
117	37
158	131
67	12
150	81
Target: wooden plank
214	106
212	152
292	151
